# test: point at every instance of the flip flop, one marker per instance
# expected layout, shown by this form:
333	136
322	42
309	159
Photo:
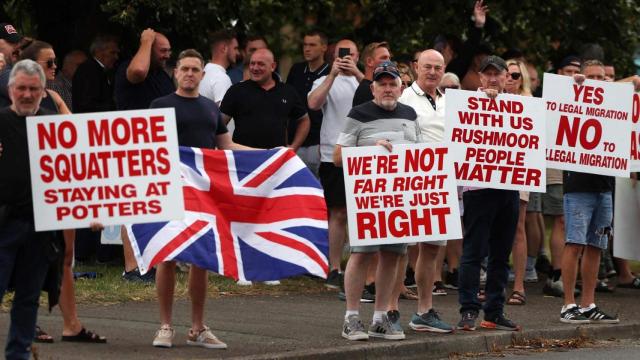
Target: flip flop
408	294
85	336
517	298
42	336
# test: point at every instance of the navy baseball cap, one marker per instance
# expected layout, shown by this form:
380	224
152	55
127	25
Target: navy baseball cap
386	68
9	33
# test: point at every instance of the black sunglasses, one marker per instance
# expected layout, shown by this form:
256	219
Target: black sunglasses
391	68
515	75
50	63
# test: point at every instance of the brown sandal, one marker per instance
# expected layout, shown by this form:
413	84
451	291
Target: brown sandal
517	298
408	294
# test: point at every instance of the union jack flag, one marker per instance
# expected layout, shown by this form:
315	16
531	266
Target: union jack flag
249	215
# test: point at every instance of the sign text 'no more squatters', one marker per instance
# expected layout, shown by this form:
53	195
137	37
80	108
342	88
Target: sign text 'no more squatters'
403	196
496	143
588	125
110	167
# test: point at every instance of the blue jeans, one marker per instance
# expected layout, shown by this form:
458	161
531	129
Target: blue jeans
23	257
490	220
587	217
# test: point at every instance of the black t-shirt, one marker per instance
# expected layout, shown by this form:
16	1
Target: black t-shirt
583	182
363	93
262	116
301	78
198	119
15	174
139	96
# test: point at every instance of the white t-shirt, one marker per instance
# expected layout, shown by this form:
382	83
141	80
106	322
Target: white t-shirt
215	83
334	112
430	121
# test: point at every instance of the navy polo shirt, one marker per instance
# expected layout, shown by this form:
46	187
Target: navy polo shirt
261	116
302	78
139	96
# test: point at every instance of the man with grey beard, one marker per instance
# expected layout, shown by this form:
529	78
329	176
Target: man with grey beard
382	121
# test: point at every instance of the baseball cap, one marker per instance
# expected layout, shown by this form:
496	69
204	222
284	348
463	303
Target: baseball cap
570	60
385	68
9	33
495	61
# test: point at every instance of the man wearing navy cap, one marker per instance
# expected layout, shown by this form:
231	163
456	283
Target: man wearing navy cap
490	219
382	121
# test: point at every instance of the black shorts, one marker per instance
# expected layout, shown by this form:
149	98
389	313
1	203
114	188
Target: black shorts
332	181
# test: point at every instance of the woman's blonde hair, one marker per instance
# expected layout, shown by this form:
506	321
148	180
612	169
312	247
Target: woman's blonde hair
525	84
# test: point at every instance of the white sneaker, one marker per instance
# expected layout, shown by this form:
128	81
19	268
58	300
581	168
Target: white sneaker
244	283
531	276
164	337
272	282
206	339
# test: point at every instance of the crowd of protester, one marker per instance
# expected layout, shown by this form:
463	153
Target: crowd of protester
338	96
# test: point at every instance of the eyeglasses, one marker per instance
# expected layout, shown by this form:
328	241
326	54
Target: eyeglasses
50	63
515	75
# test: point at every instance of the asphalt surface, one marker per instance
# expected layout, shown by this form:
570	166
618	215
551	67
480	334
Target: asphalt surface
308	326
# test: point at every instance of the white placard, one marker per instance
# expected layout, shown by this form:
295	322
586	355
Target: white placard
635	133
626	227
497	143
588	125
407	195
111	167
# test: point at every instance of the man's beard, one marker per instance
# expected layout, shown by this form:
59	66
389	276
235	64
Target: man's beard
388	104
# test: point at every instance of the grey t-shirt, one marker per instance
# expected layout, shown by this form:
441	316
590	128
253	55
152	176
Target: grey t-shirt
368	123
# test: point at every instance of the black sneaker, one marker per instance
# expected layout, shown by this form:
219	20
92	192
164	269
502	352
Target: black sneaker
335	279
410	279
499	322
543	265
135	276
468	321
573	315
451	279
597	316
367	297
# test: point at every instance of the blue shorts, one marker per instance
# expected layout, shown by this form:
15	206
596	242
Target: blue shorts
587	218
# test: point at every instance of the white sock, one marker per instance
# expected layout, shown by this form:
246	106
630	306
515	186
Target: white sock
377	316
585	309
351	312
567	307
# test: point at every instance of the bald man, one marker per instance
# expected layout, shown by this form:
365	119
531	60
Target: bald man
263	106
333	94
144	78
428	102
138	82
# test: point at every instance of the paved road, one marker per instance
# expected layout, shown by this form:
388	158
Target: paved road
299	325
609	350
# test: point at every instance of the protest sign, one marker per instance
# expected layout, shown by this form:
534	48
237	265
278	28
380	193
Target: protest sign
588	125
407	195
109	167
496	143
635	133
627	226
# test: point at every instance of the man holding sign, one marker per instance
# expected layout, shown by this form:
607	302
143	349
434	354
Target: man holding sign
588	214
24	254
382	121
490	219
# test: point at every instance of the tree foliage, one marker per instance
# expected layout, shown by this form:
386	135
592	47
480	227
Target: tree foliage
542	29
